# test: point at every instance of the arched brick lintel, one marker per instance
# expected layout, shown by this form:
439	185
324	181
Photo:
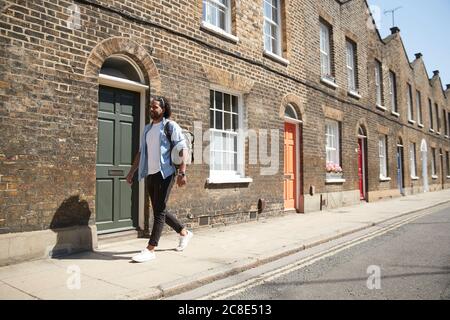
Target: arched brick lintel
400	138
132	49
296	102
362	123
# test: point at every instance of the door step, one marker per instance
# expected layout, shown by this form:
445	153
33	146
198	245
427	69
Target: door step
117	236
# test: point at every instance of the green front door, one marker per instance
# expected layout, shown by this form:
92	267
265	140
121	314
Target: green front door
116	203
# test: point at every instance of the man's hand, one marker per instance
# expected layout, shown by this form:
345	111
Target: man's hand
181	181
133	168
130	177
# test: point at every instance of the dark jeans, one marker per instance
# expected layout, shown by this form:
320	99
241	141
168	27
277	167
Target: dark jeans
159	190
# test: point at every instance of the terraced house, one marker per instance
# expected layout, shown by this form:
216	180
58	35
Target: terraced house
334	113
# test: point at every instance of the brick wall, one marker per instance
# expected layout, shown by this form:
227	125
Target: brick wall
49	87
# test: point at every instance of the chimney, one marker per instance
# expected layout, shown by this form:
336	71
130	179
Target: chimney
395	30
436	73
418	55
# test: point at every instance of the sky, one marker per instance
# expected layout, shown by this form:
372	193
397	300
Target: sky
424	27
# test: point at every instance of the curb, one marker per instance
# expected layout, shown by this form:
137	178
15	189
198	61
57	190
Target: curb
197	280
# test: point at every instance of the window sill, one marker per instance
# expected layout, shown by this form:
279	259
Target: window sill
329	82
395	114
431	130
225	180
381	107
446	136
354	94
384	179
411	121
332	181
276	57
448	177
414	178
438	133
420	125
434	177
219	32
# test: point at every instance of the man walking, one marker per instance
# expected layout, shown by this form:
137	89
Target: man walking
154	162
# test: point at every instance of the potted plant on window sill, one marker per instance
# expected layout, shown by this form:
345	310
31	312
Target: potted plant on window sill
334	171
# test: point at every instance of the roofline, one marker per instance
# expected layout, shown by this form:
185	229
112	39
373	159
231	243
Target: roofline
422	62
342	2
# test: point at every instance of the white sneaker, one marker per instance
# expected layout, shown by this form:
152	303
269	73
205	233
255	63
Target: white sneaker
184	241
144	256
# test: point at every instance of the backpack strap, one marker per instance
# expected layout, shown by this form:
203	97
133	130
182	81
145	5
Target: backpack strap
168	133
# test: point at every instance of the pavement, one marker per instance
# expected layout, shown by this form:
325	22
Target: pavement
213	253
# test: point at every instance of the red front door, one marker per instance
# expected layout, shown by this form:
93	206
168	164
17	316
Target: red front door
290	166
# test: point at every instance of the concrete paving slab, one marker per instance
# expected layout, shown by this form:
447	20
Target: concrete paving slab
89	289
103	269
9	293
25	268
38	281
148	279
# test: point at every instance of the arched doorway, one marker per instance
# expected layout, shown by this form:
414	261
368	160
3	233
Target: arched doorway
424	153
400	174
362	163
121	119
293	198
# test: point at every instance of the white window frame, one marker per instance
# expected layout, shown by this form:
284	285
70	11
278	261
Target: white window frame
332	134
438	124
419	108
325	52
276	51
448	122
393	92
382	150
229	176
433	163
216	5
378	81
295	119
409	103
351	66
430	112
412	160
447	130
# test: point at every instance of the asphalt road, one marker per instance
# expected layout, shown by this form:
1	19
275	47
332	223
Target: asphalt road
412	261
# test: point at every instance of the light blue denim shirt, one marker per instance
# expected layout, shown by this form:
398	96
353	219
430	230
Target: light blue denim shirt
167	168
